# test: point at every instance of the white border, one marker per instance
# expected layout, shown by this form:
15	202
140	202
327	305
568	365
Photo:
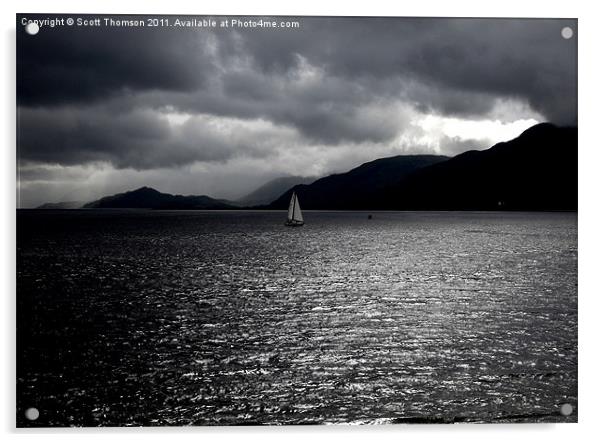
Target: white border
590	261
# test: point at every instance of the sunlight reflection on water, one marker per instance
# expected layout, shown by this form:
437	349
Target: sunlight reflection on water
177	318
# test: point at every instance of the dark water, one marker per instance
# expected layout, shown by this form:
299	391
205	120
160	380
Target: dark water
203	318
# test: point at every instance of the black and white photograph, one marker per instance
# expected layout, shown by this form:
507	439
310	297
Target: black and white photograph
295	220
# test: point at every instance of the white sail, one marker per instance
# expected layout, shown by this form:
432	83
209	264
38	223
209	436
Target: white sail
291	207
297	216
294	218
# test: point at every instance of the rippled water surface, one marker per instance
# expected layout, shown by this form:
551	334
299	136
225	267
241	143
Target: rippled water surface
205	318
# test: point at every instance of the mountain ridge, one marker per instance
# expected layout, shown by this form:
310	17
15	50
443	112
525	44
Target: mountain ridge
535	171
149	198
348	190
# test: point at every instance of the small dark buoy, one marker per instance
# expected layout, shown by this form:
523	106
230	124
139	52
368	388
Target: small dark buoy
369	216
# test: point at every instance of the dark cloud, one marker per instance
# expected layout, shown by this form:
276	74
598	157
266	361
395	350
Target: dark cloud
79	64
74	136
140	138
521	58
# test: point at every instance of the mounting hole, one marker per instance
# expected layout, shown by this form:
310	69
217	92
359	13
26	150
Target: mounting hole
566	32
566	409
32	414
32	28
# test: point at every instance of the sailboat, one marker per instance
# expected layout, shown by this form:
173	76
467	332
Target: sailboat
295	217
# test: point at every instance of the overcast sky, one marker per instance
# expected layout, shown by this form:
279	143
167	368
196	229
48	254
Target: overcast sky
221	111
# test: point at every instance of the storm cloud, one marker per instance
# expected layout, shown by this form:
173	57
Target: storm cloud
335	88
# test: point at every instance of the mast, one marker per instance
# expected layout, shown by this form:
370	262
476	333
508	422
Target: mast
291	206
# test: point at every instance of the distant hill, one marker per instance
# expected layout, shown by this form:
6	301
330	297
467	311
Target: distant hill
148	198
271	190
62	205
353	189
535	171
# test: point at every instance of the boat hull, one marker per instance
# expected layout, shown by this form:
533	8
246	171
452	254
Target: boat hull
294	223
